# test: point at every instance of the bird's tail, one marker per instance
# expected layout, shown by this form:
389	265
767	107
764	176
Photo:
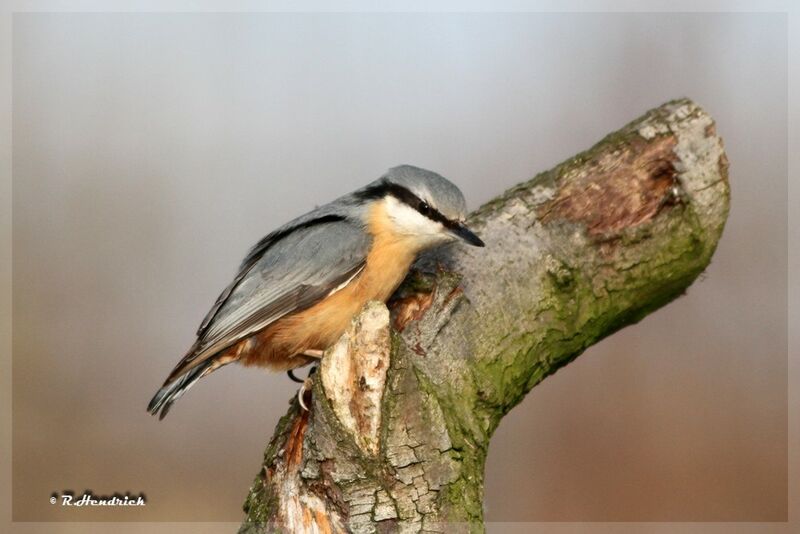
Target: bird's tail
172	390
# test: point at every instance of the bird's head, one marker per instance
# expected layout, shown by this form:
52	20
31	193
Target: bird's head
422	205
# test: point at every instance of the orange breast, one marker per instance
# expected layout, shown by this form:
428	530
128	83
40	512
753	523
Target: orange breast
319	326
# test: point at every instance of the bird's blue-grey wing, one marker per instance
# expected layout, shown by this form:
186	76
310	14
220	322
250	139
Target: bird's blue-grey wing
331	212
298	268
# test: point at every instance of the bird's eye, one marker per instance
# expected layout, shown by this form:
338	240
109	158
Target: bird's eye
424	207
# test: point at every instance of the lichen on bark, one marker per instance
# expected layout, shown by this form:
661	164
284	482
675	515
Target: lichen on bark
404	409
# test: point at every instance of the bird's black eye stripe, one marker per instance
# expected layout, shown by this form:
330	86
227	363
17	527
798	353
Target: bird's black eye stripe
430	212
405	196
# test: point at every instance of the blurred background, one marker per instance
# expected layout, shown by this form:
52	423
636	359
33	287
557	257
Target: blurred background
151	150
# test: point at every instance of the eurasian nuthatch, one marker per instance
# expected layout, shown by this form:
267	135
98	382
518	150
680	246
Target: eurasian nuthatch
299	287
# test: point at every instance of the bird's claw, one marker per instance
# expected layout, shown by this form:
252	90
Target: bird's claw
301	393
293	378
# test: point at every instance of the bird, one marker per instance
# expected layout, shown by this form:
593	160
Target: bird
298	288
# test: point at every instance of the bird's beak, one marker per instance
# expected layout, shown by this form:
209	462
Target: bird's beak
460	230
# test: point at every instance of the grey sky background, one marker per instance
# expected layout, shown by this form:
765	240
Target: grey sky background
151	150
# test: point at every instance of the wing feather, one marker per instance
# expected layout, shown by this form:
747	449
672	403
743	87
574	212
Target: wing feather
294	270
256	252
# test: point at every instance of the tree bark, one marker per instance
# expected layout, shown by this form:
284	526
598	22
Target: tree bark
404	405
